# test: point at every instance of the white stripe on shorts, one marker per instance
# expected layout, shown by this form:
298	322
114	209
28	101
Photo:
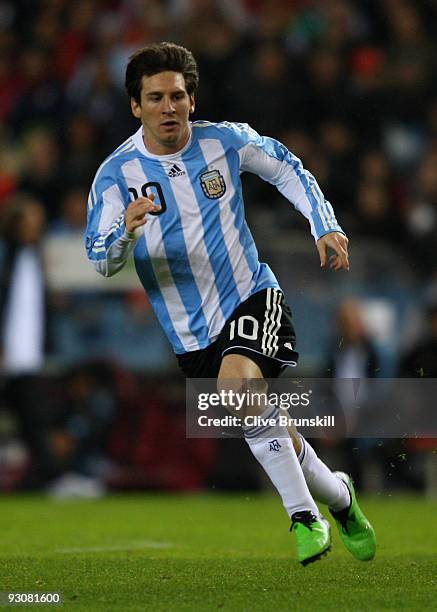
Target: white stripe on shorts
275	343
266	321
272	322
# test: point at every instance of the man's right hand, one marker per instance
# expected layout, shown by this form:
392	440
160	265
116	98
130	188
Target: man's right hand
137	210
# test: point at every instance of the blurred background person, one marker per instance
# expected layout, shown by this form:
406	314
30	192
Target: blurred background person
352	353
23	317
23	287
420	361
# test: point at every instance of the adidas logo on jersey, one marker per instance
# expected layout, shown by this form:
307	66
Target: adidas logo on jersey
175	171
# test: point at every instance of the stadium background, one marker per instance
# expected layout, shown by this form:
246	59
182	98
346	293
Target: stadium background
349	87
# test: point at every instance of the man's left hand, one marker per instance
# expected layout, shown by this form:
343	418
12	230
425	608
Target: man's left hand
338	243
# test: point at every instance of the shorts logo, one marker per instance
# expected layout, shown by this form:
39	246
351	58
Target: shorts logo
213	184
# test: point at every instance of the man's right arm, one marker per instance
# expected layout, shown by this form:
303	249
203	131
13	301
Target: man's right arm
111	229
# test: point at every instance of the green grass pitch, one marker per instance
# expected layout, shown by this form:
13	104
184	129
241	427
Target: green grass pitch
210	552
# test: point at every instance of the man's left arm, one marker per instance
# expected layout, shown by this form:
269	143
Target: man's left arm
274	163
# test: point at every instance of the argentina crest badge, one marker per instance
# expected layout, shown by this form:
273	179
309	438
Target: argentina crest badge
213	184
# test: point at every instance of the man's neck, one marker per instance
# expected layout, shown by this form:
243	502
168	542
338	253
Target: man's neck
156	148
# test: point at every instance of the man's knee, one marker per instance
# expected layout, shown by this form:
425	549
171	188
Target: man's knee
249	395
240	375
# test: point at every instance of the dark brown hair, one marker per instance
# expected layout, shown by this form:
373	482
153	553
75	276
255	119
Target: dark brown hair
157	58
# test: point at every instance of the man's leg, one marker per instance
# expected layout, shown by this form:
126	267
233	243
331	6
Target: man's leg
325	486
336	490
273	448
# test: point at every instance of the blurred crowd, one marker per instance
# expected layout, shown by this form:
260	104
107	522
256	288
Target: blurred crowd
347	85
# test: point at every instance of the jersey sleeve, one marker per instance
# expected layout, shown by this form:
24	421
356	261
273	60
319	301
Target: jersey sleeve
273	162
108	243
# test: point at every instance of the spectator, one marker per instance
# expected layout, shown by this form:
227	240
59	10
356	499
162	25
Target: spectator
41	176
421	359
23	301
73	213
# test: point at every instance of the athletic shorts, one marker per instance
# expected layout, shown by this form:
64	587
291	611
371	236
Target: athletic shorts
261	328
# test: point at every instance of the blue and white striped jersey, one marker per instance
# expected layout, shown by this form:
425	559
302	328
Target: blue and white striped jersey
196	258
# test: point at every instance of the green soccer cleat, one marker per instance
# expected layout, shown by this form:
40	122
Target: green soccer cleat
313	536
355	530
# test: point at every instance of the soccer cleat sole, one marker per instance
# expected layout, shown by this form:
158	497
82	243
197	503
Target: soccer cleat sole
317	557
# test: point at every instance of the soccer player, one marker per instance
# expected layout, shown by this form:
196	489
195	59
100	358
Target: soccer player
171	194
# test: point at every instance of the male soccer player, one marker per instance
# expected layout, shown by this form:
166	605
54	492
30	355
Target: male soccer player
171	194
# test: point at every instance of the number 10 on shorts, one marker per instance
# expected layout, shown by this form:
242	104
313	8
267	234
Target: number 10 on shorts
247	327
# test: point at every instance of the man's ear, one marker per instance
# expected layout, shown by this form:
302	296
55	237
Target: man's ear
135	108
192	104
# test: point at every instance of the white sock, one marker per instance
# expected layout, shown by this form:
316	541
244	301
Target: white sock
273	448
324	485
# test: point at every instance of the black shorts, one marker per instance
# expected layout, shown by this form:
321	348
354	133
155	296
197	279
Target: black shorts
261	328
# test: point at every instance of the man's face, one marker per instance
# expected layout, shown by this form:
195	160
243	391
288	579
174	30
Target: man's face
164	112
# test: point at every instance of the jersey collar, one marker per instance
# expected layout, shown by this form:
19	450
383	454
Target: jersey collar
138	141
